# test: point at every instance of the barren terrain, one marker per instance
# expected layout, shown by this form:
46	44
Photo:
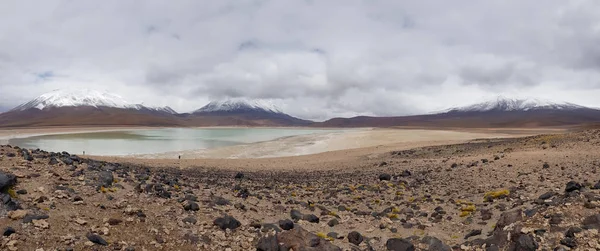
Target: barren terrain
529	193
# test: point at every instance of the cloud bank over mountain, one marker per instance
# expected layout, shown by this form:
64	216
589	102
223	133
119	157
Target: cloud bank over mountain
318	59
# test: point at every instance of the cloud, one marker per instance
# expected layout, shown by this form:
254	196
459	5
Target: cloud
319	59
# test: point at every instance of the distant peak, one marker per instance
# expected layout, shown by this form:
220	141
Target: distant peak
240	105
501	103
83	97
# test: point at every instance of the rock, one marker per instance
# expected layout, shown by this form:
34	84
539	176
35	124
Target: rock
30	218
295	215
546	166
596	186
221	201
94	238
572	231
21	191
333	222
572	186
591	222
546	196
355	238
191	206
435	244
526	242
300	239
7	180
473	233
53	161
405	173
227	222
80	221
399	244
238	176
569	242
113	221
268	243
190	219
385	176
8	231
334	235
17	214
105	178
310	218
286	224
43	224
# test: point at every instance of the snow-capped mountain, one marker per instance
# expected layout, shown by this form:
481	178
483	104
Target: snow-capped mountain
84	97
244	112
511	104
236	105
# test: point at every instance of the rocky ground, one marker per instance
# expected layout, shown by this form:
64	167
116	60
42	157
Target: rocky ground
533	193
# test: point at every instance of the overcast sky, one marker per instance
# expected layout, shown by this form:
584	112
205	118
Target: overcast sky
318	58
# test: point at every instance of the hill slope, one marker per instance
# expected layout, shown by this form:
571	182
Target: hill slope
501	112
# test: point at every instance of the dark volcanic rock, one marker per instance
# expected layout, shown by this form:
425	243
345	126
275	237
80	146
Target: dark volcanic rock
435	244
105	178
310	218
227	222
96	239
569	242
295	215
399	244
385	176
239	176
29	218
592	222
333	222
286	224
572	186
190	219
546	196
191	206
473	233
526	243
268	243
355	238
572	231
8	231
7	180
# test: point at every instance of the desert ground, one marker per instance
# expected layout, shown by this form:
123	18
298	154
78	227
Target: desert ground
456	190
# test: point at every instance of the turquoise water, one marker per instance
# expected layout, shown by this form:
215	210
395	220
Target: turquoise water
155	140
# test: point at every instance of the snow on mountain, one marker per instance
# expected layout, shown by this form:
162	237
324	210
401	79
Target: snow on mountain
240	104
83	97
511	104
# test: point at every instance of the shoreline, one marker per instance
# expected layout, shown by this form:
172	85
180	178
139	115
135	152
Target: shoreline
345	139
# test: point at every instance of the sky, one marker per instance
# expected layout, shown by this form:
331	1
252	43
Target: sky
316	59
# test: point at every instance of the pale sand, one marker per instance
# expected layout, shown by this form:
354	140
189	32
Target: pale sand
330	151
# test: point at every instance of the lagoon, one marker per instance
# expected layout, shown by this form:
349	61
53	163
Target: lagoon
152	141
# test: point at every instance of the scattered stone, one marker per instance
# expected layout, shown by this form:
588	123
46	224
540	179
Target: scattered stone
310	218
572	186
399	244
190	219
355	238
43	224
17	214
286	224
191	206
238	176
295	215
8	231
227	222
385	176
473	233
333	222
96	239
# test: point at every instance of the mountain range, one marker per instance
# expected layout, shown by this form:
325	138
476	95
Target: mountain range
95	108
